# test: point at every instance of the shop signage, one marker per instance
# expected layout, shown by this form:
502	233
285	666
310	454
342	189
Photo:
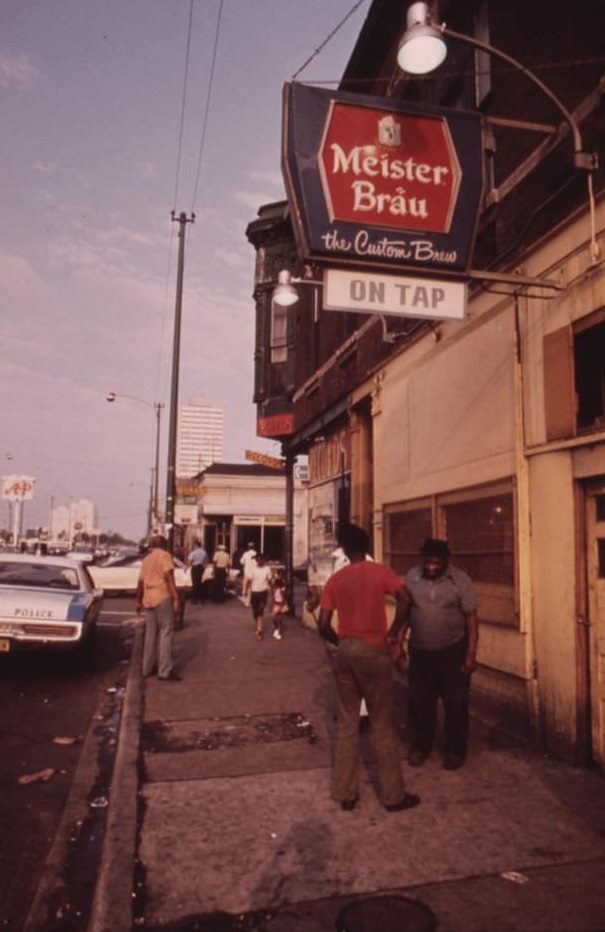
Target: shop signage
330	457
188	490
380	181
185	514
18	488
375	293
271	461
275	425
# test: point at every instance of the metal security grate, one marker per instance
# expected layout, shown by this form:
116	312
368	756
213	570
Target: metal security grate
481	536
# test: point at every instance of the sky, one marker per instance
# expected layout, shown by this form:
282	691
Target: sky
104	128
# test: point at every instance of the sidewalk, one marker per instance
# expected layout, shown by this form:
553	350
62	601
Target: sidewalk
235	818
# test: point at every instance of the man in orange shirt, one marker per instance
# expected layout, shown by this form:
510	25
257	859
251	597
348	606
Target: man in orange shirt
363	669
157	593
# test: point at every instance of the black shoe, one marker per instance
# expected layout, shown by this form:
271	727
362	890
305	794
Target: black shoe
347	805
416	758
171	678
453	761
408	802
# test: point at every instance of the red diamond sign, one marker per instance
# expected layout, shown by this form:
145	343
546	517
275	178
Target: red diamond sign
390	170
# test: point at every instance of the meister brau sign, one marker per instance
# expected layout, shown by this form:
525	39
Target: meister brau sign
372	180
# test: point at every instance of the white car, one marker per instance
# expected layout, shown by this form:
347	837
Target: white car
81	552
46	602
119	575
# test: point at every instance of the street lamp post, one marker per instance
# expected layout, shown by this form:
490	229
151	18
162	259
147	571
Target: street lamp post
154	503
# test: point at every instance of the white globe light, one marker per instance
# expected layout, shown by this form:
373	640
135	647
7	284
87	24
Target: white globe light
422	49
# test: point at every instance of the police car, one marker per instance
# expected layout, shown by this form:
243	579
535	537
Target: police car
46	602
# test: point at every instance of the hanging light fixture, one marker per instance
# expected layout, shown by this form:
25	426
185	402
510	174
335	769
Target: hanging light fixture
422	47
284	293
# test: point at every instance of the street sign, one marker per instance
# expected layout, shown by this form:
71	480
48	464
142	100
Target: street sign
403	296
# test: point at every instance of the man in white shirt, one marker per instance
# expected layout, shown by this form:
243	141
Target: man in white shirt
247	561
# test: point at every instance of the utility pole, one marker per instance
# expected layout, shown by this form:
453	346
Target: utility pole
182	221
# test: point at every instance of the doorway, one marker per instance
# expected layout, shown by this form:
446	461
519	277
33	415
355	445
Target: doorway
595	567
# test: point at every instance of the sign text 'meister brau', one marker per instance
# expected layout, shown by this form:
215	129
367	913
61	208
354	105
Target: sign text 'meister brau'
393	170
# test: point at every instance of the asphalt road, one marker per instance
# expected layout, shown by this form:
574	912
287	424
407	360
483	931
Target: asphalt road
44	697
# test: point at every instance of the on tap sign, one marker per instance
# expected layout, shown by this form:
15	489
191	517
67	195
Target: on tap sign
381	181
18	488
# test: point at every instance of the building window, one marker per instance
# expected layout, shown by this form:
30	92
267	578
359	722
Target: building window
589	366
279	333
574	377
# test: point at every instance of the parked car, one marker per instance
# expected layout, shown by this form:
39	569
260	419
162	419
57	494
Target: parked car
46	602
119	575
82	552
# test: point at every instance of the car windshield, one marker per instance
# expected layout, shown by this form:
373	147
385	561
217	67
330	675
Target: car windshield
39	575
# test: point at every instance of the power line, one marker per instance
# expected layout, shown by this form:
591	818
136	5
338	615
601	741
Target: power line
207	107
327	39
183	102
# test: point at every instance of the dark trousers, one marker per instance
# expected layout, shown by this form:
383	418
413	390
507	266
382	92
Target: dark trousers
434	674
196	582
218	587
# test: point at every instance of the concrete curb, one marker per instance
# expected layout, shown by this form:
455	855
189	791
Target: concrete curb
75	811
112	904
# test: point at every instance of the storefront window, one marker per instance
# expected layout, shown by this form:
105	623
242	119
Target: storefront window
479	527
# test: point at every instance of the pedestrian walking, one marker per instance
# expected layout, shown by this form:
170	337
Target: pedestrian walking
157	594
247	561
221	562
260	581
443	649
198	561
363	669
279	606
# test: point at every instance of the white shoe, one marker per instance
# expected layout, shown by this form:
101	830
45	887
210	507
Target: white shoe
277	635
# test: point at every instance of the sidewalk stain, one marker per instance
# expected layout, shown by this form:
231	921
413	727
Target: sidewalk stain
237	731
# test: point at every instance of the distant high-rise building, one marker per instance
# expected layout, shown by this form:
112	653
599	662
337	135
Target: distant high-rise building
78	517
200	436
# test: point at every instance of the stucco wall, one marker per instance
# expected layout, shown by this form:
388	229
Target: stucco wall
447	412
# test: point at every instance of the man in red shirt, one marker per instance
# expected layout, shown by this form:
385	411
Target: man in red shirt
363	669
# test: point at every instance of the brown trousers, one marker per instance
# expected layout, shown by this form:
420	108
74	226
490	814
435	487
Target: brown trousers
365	672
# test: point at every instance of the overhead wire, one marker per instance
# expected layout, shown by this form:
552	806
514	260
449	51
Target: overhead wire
328	38
207	107
183	105
179	154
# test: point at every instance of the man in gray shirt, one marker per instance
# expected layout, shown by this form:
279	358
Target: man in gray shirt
443	649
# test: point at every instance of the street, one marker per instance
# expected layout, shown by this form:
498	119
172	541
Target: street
48	705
